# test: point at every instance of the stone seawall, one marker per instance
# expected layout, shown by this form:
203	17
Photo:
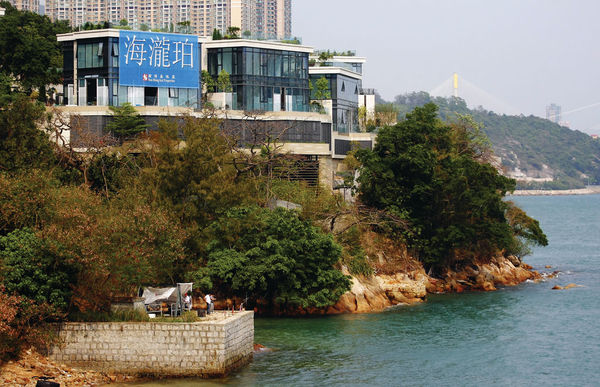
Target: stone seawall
207	349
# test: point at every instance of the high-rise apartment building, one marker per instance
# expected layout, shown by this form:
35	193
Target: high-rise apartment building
28	5
267	19
553	113
263	19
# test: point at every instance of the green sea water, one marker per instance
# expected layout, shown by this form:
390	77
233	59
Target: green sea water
518	336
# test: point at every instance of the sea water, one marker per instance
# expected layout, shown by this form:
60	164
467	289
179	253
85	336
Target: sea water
517	336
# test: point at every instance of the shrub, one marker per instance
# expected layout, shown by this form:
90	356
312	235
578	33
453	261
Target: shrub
23	323
274	256
31	268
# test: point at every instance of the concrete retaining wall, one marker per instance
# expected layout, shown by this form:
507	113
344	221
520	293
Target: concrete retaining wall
207	349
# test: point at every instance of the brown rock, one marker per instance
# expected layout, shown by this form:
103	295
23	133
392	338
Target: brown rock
548	267
569	286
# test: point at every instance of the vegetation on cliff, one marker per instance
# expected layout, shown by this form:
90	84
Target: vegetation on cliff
437	176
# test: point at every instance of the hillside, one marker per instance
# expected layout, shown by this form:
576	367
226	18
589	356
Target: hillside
535	151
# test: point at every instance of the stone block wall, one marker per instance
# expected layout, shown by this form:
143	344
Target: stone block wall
207	349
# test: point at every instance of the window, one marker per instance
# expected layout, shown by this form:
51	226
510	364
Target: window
90	55
115	49
343	86
263	94
173	93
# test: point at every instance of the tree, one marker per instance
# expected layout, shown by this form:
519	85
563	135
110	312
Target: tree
126	121
216	35
247	34
198	181
32	268
386	114
224	82
26	200
274	256
233	33
184	27
432	174
28	48
362	118
208	84
321	92
22	143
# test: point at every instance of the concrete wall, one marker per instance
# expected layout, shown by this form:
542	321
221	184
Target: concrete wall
207	349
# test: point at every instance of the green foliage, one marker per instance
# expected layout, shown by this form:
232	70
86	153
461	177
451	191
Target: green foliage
354	256
108	173
22	144
26	200
273	255
216	35
88	26
28	47
199	181
294	40
527	142
224	82
119	245
183	27
126	121
321	89
208	83
32	268
435	176
233	33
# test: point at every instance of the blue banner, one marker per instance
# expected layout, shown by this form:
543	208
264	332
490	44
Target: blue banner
154	59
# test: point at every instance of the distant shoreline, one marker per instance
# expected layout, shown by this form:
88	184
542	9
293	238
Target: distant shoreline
591	190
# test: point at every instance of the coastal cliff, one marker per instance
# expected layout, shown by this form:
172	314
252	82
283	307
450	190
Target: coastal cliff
381	291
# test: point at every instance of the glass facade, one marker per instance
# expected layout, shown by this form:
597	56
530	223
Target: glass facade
263	79
344	95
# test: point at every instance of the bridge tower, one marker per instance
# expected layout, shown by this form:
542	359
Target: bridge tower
455	85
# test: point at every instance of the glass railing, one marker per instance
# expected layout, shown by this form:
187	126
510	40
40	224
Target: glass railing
346	128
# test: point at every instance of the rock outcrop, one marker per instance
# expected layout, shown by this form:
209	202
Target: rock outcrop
381	291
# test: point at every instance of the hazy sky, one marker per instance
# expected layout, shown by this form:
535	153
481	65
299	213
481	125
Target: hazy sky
526	53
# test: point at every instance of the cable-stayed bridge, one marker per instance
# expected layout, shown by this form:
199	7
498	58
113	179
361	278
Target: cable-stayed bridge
473	95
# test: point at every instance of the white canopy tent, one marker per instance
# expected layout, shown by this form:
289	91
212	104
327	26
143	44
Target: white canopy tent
172	296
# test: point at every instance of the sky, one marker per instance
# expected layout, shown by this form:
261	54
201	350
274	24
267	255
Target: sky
512	56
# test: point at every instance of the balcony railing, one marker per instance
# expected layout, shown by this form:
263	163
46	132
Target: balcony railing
346	128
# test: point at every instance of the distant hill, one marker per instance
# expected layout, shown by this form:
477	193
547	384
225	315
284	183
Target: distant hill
537	152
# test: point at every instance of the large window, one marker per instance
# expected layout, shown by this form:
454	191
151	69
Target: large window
258	75
90	55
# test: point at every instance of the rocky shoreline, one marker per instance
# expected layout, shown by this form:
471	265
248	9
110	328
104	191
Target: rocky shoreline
33	367
382	291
